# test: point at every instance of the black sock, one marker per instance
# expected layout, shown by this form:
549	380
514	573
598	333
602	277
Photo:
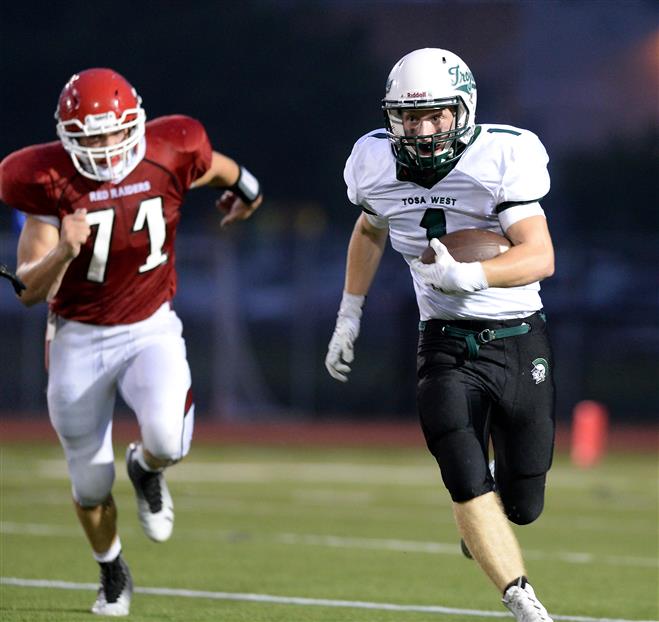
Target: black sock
519	582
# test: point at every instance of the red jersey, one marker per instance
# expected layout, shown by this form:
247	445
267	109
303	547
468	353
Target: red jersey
125	270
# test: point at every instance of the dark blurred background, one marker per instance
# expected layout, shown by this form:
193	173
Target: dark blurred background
286	87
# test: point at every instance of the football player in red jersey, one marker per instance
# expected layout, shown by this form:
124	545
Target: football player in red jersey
103	204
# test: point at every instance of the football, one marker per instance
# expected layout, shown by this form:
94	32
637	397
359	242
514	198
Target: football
470	245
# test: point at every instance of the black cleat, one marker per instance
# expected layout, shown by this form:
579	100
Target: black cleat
155	507
115	590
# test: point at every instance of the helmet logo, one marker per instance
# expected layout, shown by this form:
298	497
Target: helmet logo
462	80
417	94
539	370
387	88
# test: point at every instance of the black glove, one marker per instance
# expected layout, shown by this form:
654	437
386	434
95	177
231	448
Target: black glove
5	272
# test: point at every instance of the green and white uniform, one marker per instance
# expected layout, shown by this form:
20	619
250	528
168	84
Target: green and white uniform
498	181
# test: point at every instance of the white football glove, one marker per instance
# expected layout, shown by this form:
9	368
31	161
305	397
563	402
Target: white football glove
340	351
448	275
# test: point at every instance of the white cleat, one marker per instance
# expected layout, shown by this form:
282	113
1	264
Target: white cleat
115	590
524	604
155	507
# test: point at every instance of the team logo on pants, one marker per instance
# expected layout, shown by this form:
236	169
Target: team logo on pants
539	370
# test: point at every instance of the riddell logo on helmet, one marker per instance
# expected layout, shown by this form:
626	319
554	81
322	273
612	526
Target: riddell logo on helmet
417	94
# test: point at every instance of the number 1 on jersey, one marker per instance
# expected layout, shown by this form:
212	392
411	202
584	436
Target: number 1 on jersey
434	222
149	214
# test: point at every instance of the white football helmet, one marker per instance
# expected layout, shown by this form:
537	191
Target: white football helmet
429	78
95	102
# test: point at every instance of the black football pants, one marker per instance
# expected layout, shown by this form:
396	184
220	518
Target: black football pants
506	394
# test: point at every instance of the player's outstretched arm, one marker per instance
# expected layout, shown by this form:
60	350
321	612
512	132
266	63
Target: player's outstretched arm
44	254
242	194
364	254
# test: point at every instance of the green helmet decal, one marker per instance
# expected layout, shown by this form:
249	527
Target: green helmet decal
462	79
540	370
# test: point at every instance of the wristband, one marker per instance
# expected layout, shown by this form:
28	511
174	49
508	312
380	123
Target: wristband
247	187
16	283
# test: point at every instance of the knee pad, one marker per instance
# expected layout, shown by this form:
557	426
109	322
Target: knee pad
523	499
172	443
91	483
463	465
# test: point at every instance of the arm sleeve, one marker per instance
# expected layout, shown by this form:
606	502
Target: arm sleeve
355	191
190	141
518	212
25	186
49	220
525	177
379	222
350	177
201	152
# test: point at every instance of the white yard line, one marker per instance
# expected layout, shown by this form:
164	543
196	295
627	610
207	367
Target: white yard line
379	544
339	472
443	548
267	472
293	600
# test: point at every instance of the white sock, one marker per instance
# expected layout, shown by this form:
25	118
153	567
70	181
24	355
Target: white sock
111	554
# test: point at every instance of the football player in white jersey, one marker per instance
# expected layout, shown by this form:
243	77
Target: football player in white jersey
482	335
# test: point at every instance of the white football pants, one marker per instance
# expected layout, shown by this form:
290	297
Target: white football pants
146	362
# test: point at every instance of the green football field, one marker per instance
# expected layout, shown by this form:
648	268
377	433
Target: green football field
319	534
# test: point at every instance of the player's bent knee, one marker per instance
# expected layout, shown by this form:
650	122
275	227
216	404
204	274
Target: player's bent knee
168	453
463	466
91	505
524	514
169	444
89	498
92	484
524	499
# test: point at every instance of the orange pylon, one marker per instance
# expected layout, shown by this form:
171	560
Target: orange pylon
590	422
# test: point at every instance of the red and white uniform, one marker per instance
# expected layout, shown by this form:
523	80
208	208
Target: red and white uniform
125	270
115	329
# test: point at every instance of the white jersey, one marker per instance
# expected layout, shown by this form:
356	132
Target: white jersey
497	181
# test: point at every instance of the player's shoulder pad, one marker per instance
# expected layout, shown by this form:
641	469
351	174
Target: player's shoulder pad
180	132
371	143
29	177
366	164
511	142
518	156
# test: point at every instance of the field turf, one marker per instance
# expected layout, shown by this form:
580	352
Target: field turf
287	534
